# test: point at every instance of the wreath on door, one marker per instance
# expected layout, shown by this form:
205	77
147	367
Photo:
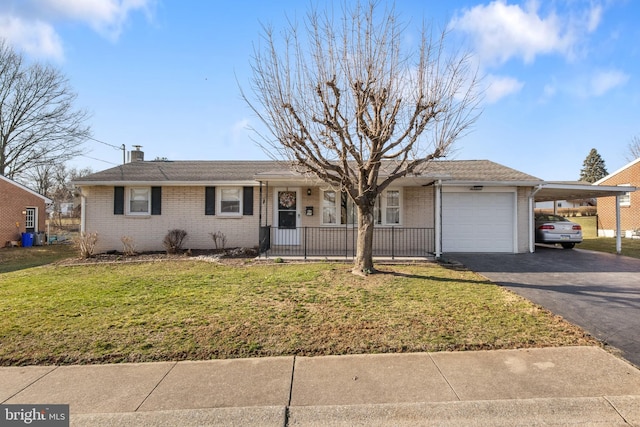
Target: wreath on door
287	199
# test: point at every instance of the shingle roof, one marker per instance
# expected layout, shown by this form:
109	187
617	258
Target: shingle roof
225	170
475	170
182	171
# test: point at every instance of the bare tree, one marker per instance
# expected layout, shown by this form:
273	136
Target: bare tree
38	124
353	102
53	180
633	149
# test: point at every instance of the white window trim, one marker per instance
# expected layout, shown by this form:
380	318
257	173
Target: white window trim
337	208
128	201
382	201
219	202
382	205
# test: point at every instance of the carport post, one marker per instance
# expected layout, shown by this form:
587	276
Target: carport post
618	227
438	219
532	220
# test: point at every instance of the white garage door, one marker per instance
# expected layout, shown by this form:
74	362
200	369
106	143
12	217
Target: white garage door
477	222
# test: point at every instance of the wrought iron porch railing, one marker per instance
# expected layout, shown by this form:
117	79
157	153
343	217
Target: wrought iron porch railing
341	242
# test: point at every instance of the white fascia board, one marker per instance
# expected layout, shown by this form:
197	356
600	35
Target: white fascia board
591	187
492	183
166	183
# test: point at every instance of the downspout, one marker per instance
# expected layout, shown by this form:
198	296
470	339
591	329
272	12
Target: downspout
618	227
438	220
532	222
260	211
260	221
83	212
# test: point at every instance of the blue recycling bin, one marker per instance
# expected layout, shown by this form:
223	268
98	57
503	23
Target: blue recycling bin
27	240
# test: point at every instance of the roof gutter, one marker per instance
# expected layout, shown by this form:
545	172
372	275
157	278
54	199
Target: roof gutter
164	183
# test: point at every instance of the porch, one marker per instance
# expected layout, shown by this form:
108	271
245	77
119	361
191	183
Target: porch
307	242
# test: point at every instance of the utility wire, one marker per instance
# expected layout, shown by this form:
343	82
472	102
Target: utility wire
100	160
106	143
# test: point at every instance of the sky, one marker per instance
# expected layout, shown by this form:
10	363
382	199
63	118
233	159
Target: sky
560	77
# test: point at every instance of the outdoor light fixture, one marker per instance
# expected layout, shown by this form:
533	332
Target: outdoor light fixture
308	191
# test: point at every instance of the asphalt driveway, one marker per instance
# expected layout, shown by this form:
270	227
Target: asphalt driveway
599	292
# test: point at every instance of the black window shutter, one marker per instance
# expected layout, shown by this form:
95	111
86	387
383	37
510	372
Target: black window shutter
156	200
210	200
118	200
247	201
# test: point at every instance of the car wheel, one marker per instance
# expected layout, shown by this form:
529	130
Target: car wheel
568	245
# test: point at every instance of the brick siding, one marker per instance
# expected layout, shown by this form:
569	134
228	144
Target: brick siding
13	201
629	215
184	208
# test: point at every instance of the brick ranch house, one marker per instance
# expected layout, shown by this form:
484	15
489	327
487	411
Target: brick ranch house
448	206
627	203
21	211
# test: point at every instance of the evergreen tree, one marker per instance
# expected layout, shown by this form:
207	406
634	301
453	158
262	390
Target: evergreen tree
593	167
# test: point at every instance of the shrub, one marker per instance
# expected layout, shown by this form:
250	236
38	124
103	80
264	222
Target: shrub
86	244
219	239
173	240
129	246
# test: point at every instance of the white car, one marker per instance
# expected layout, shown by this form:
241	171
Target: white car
557	229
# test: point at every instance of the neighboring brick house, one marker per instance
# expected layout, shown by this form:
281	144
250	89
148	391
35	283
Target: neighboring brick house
628	175
21	211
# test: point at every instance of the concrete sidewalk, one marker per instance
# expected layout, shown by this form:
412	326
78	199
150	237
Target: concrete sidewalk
553	386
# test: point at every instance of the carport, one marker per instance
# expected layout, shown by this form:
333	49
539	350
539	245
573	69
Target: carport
552	191
483	215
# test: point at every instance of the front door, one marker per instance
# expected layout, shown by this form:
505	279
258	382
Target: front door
287	216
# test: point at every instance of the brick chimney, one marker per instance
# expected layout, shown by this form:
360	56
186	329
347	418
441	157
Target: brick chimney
136	155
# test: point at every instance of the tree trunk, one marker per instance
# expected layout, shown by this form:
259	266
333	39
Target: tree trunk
364	251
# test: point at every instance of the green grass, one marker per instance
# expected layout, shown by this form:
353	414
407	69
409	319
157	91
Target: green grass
12	259
177	310
630	247
589	225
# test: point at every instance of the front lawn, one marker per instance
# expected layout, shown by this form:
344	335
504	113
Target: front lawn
12	259
630	247
177	310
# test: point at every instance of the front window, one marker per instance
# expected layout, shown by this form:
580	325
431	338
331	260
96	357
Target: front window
387	209
230	201
393	207
139	201
329	208
339	209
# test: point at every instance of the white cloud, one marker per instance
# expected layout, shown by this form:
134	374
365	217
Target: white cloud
105	16
595	84
603	81
36	38
30	24
240	130
500	86
594	18
500	31
550	90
